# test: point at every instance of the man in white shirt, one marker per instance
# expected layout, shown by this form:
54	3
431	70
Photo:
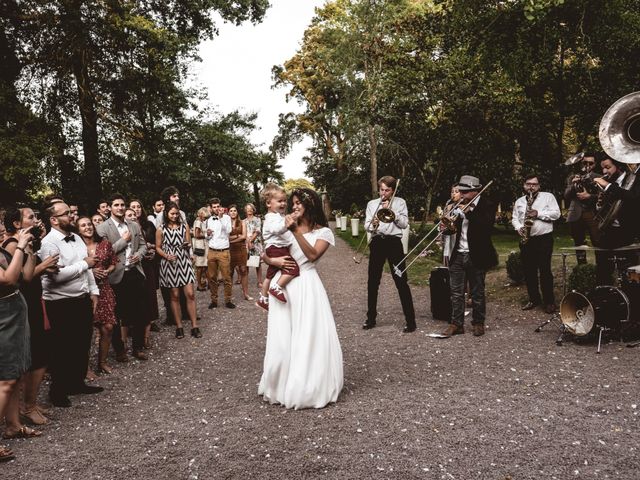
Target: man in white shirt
386	245
70	297
536	245
218	228
158	208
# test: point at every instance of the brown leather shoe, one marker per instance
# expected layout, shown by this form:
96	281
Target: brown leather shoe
140	355
478	329
453	329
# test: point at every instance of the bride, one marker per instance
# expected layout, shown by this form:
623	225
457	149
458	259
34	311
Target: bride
303	359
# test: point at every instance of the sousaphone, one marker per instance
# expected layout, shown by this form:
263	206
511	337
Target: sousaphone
620	129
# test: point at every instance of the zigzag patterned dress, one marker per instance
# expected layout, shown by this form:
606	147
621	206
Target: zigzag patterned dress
180	272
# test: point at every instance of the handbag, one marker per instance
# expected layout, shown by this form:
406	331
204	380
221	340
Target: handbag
198	252
253	261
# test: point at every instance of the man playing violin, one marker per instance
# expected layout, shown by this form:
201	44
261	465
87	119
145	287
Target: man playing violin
472	255
386	245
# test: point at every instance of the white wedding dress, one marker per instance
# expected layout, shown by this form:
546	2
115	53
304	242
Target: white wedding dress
303	358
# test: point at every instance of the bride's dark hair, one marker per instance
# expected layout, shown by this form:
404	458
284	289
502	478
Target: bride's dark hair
313	212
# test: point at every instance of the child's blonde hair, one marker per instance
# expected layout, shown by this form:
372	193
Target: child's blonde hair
269	190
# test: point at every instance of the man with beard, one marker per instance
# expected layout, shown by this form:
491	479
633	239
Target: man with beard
70	296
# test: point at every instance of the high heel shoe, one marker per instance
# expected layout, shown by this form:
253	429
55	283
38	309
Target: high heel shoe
180	332
195	332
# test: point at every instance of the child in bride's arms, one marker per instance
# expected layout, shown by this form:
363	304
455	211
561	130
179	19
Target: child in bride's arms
277	240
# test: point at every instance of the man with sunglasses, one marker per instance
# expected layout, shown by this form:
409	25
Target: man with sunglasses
582	205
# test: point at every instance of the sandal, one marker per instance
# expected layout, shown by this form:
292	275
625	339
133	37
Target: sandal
24	432
44	410
34	417
6	454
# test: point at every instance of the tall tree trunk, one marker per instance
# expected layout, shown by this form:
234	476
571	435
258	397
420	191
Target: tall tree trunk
373	155
89	117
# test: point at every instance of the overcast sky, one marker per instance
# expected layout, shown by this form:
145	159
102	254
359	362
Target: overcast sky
236	70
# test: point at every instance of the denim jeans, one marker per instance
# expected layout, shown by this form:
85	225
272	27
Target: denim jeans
460	270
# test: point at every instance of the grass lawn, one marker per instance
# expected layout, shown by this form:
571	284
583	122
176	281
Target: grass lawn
506	241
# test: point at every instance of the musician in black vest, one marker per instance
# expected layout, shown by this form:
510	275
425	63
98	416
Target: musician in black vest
472	255
622	184
386	245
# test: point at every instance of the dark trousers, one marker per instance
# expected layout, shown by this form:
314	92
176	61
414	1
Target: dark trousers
70	336
130	305
607	261
461	269
536	259
579	228
382	250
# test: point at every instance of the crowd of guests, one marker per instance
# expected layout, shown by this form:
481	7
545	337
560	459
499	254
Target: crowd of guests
65	274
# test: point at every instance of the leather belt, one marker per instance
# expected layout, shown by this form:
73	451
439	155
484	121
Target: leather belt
219	249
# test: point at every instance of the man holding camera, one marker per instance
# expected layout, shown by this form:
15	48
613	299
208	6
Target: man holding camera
218	228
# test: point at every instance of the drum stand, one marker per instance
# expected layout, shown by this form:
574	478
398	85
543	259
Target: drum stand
564	256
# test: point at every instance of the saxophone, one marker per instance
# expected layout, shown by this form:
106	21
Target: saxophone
528	222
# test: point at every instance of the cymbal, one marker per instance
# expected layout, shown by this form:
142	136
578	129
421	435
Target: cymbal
587	248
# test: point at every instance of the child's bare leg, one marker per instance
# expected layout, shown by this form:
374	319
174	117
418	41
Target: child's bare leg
265	287
284	280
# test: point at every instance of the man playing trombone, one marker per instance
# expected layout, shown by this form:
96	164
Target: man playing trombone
472	254
386	245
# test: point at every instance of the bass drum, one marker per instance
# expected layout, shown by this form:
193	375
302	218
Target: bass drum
611	307
577	314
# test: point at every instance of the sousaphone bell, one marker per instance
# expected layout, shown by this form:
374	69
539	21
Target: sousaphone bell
619	131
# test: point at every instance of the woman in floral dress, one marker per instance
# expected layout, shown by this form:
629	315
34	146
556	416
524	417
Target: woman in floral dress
104	318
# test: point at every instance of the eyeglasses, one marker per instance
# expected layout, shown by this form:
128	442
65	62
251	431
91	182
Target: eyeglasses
531	184
63	214
588	163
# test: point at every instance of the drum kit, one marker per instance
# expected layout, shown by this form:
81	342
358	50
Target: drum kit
613	309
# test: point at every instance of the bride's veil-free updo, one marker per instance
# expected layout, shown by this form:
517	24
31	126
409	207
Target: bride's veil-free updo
313	212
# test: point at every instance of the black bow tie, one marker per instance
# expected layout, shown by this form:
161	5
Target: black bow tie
69	238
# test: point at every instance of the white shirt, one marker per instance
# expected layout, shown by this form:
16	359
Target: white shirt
74	279
274	231
220	231
548	211
393	229
122	228
463	244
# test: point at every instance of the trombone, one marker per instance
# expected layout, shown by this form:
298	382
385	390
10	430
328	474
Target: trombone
446	221
384	215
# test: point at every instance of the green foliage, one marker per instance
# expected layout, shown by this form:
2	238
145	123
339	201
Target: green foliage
515	270
291	184
494	89
582	278
103	103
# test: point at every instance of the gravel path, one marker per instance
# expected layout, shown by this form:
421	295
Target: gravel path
509	405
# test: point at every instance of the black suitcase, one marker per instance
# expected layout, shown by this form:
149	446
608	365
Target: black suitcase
440	294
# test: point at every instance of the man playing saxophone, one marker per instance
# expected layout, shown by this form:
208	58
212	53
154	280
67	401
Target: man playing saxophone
533	217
